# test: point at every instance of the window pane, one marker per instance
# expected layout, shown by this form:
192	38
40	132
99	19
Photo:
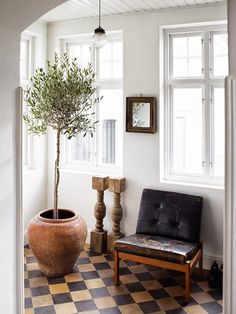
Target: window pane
86	55
80	147
81	52
105	53
110	126
219	132
105	69
195	67
117	69
111	105
179	47
187	130
220	66
180	68
73	51
110	60
220	54
195	46
117	50
187	56
220	44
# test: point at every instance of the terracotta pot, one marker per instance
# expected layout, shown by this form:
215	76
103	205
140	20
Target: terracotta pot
57	243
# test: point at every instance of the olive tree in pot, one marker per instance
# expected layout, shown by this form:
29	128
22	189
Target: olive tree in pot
62	98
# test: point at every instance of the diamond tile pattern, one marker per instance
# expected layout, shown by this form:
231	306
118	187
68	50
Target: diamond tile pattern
90	289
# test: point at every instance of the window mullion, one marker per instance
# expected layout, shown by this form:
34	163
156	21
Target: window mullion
97	138
212	126
95	142
206	131
170	131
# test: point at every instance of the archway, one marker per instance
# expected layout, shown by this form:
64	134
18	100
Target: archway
10	27
15	16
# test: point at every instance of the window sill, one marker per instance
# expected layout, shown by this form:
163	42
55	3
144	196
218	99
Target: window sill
93	172
193	184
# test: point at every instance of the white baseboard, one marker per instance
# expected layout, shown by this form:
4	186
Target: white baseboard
209	259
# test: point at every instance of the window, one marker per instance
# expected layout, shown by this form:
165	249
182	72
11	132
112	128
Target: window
110	61
196	62
26	66
103	152
81	51
187	56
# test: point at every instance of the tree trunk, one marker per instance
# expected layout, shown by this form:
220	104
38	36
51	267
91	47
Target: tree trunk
56	177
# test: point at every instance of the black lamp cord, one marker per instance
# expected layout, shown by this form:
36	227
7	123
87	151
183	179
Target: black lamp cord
99	14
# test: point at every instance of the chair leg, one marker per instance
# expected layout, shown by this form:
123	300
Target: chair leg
187	283
116	268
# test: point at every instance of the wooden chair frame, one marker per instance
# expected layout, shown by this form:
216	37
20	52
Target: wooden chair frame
185	268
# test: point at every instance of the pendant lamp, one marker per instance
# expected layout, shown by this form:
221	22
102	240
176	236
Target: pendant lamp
99	37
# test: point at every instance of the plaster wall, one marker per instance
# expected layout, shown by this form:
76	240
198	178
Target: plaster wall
15	16
9	77
140	151
232	37
230	201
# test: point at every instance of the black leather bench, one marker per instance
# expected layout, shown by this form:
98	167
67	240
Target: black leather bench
167	234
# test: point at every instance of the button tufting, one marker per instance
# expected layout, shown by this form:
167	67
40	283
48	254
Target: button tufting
164	213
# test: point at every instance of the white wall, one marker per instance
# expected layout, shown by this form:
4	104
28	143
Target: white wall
232	37
141	151
9	77
34	175
15	16
229	283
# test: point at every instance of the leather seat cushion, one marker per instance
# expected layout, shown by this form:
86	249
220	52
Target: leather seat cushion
162	248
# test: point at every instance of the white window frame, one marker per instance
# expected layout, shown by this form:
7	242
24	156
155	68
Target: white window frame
207	82
94	165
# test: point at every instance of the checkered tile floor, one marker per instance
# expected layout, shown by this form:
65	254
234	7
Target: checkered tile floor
90	289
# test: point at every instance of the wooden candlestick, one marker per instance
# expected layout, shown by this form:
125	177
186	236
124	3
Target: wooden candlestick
98	237
117	186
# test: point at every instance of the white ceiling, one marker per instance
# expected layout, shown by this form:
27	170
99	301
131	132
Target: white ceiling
76	9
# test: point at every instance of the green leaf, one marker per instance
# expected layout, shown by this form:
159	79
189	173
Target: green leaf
63	98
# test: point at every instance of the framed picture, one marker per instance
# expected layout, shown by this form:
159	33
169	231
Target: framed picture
141	114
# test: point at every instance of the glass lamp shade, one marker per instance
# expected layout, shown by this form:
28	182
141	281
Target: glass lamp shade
99	37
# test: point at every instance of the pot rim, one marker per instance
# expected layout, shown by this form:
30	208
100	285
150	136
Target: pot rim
52	220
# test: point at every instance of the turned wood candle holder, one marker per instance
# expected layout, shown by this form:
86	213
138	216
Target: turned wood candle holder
117	186
98	237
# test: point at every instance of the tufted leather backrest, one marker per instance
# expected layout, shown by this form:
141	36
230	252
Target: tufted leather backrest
170	214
